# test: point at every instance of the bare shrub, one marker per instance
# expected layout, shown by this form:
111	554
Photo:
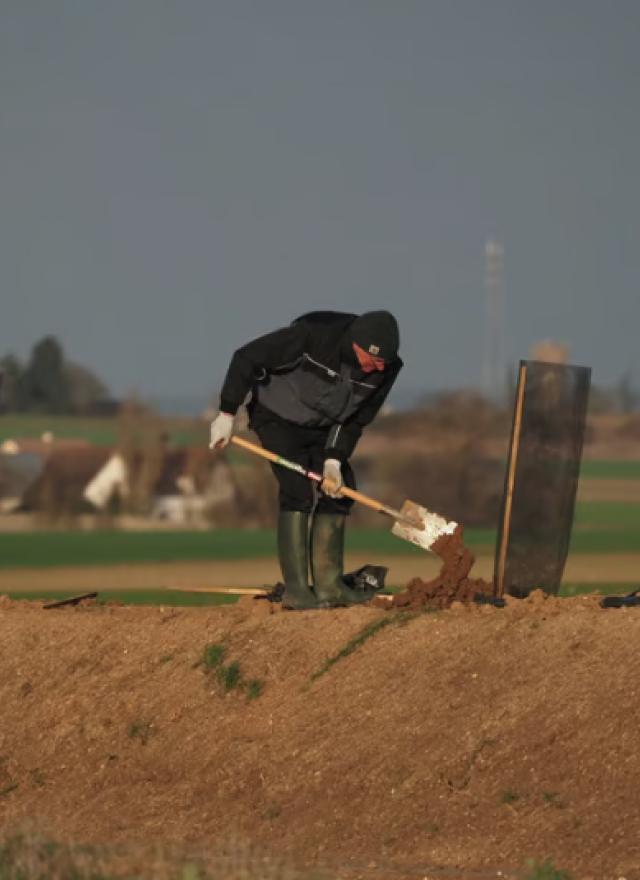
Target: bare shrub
447	457
630	428
461	486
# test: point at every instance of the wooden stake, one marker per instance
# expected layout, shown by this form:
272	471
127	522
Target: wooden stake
511	475
230	591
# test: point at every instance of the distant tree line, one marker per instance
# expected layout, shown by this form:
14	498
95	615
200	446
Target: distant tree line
49	383
623	397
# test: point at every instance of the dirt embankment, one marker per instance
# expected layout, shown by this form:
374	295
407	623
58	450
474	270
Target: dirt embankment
469	738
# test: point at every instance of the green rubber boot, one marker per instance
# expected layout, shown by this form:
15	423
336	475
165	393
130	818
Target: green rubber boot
327	562
293	553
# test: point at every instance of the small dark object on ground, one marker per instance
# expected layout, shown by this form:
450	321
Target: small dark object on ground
369	577
72	600
273	594
484	599
627	601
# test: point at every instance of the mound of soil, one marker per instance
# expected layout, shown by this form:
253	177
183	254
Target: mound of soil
470	740
452	584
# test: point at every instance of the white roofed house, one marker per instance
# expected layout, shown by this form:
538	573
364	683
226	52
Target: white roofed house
63	480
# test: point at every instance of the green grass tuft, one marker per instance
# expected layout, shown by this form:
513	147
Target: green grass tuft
509	797
545	871
37	777
552	798
254	688
229	676
214	655
370	630
140	730
272	812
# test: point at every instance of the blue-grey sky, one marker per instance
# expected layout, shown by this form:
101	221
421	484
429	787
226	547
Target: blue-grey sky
178	176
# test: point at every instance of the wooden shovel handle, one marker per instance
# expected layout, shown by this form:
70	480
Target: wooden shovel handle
317	478
370	502
253	447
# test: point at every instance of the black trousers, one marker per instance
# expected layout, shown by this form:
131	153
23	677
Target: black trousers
305	446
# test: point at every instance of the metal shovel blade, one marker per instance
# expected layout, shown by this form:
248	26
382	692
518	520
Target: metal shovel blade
433	526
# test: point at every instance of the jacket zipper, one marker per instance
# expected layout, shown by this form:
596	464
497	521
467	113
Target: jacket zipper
333	373
328	370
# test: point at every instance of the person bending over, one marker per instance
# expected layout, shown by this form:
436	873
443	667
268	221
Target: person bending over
314	386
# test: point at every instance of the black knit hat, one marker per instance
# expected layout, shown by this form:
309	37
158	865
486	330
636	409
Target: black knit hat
377	333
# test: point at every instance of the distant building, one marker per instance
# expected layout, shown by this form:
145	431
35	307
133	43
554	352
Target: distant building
550	352
70	478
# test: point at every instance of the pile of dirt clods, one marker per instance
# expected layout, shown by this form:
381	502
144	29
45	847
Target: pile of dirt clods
452	584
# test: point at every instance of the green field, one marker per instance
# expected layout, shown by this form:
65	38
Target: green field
600	528
608	515
606	527
610	470
99	431
49	549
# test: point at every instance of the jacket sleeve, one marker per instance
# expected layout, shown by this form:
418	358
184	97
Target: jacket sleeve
342	439
257	358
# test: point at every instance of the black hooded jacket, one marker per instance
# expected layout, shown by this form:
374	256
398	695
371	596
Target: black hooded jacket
307	374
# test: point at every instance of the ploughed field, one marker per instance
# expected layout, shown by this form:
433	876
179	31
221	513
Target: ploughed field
368	742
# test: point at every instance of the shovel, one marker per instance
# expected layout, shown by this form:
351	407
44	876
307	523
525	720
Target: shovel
412	522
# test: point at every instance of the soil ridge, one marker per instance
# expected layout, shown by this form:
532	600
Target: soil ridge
466	738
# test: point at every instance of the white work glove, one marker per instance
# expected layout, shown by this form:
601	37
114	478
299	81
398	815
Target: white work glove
332	480
221	430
